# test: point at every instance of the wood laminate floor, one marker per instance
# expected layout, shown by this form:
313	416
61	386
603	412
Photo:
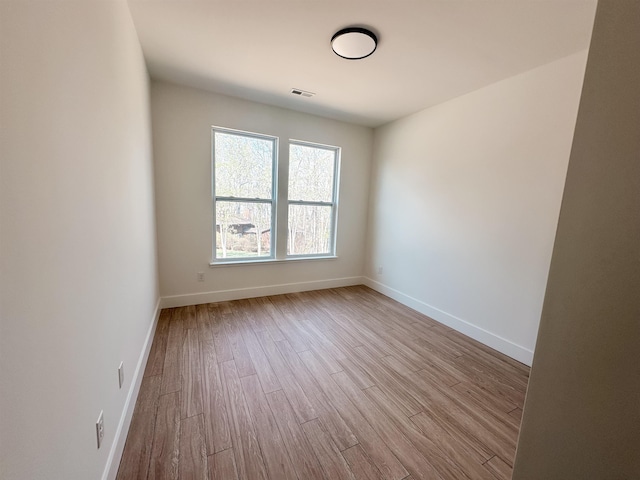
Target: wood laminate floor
333	384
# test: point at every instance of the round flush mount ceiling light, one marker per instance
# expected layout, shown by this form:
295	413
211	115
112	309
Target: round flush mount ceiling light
354	43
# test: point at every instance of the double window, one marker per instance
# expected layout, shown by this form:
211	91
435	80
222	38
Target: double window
250	206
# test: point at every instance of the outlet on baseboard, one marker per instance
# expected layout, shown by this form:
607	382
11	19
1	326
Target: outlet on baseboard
121	374
100	428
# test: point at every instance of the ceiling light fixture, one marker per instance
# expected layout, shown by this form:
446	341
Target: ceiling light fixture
354	43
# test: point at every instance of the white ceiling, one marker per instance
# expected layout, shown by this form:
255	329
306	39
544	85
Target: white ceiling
429	51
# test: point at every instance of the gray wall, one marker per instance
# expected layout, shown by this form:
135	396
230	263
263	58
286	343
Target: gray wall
582	413
464	204
78	276
182	118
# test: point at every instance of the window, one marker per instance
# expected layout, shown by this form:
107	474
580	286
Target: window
249	209
312	199
244	194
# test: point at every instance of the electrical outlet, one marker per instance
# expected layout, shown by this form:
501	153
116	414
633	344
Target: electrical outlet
379	270
121	374
201	276
100	428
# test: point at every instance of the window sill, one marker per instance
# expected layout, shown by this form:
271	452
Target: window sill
270	260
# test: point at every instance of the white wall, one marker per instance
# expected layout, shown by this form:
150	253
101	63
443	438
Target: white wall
78	287
182	119
464	204
582	412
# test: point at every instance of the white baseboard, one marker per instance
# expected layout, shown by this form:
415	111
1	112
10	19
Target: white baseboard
117	447
253	292
492	340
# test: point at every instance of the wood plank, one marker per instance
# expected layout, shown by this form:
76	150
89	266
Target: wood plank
155	363
487	378
340	432
165	452
241	357
189	315
202	316
501	361
224	308
450	459
487	401
222	466
360	312
517	414
191	367
438	362
268	378
193	451
412	341
456	451
368	336
373	445
428	424
337	333
137	449
433	336
442	372
274	357
360	464
485	398
319	344
286	322
406	349
216	416
251	314
391	307
357	374
397	365
300	403
497	423
272	446
304	460
333	464
499	468
171	373
267	314
249	461
491	433
480	367
214	405
220	339
390	382
415	463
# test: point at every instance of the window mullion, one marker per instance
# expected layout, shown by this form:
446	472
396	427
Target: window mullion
281	207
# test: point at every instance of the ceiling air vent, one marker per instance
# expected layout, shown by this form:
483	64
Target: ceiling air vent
301	93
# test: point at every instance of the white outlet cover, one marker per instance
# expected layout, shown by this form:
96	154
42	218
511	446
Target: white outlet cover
100	428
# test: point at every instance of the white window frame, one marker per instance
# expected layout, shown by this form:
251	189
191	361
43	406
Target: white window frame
272	201
333	203
279	203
